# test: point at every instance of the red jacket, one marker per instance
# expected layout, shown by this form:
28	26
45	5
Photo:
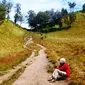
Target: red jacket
65	67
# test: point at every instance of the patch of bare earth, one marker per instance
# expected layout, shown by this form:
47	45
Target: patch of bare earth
36	73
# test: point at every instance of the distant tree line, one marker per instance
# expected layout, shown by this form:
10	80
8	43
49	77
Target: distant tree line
48	19
42	19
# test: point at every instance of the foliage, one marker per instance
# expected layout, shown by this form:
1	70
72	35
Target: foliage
44	19
65	16
18	15
83	8
8	6
71	5
72	15
8	9
4	2
31	18
2	12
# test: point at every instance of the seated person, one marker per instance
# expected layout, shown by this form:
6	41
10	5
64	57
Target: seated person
62	71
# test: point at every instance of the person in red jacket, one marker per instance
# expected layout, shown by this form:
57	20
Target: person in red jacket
62	71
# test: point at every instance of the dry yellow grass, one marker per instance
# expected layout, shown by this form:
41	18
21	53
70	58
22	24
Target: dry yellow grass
71	45
11	38
12	51
66	43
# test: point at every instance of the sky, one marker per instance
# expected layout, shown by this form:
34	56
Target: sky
38	5
42	5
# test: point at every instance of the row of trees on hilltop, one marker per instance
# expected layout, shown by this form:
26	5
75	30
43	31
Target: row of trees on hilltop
48	19
40	20
43	19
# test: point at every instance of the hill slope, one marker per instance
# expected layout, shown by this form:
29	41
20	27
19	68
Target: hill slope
69	43
77	30
11	38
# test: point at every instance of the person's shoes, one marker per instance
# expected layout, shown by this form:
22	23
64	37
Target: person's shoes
53	80
50	79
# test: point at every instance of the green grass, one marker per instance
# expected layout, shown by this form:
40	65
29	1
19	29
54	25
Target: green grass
56	26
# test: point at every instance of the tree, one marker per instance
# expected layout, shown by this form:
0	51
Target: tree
57	18
17	12
31	19
64	12
42	19
83	8
72	15
54	18
71	5
21	19
18	8
4	2
65	16
16	18
51	17
9	6
2	12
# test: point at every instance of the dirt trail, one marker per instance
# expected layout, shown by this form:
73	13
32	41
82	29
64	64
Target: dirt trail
9	73
36	73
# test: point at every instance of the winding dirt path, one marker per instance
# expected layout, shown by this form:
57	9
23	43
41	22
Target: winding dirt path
36	73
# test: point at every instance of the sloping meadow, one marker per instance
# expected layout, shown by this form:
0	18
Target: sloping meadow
73	51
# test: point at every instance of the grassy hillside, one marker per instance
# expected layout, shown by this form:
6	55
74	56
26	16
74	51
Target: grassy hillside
11	38
71	45
12	50
68	43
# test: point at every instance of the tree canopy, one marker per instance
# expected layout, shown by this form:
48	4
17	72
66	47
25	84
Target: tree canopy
2	12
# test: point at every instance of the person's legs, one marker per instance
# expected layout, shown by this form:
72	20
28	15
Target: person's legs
55	74
62	75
